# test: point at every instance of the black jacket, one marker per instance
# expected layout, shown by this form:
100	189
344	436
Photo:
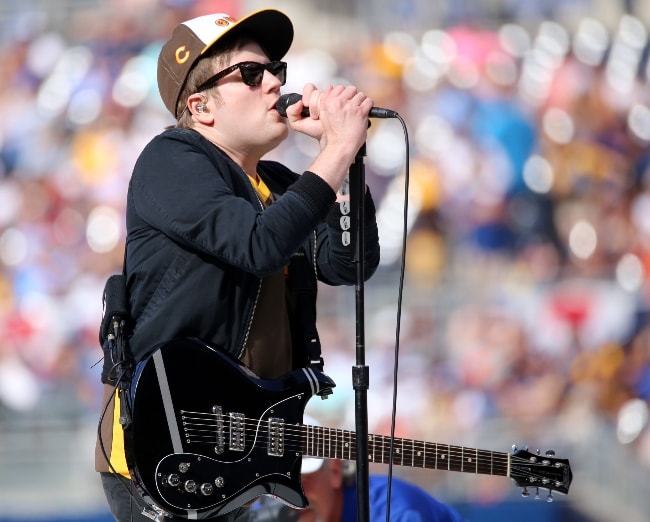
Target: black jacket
199	241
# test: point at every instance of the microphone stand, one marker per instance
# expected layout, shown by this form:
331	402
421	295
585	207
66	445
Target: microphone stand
360	372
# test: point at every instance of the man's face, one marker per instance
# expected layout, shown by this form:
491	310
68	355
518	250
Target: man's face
324	492
245	117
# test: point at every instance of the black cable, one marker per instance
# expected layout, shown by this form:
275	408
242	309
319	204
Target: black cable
399	315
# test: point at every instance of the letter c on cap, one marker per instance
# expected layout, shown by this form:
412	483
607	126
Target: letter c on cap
181	55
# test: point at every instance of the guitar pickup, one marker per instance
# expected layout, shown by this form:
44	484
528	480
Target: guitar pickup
219	437
276	437
237	432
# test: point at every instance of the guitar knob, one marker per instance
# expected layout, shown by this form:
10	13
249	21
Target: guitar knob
190	486
206	489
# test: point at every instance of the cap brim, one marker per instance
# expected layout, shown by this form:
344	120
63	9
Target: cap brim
311	465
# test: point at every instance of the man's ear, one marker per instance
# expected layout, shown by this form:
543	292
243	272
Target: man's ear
198	105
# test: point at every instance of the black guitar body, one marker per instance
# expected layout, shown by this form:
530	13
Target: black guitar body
207	435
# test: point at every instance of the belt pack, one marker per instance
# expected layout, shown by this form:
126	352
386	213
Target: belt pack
113	329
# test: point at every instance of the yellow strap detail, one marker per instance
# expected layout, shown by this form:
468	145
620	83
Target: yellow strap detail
118	457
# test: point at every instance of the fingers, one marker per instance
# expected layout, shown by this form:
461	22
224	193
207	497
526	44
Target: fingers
337	113
336	99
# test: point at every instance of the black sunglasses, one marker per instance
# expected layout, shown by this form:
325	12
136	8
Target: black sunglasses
251	73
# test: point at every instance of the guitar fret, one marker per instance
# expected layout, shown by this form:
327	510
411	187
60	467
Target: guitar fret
399	450
436	454
444	457
448	458
350	445
378	453
455	458
385	450
413	453
424	455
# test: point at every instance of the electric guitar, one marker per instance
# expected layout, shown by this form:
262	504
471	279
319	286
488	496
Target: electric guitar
206	436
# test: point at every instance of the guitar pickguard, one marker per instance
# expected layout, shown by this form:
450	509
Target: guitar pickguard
196	482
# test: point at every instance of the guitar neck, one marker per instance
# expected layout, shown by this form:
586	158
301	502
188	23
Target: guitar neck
330	443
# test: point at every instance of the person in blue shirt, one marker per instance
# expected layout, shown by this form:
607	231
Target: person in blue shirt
332	494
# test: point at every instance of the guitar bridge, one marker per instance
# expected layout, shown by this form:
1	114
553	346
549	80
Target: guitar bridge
276	437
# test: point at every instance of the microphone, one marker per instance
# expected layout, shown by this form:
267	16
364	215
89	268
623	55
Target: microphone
289	99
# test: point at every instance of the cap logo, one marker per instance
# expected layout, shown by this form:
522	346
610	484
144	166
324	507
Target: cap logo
225	21
181	55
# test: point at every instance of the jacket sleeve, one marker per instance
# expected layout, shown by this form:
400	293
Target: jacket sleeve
201	199
335	258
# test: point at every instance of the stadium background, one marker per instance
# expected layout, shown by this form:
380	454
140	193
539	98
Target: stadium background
525	306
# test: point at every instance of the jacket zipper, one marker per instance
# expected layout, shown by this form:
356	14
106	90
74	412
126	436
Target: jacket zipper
242	348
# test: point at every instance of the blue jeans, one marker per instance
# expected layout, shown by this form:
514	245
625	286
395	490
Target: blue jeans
127	506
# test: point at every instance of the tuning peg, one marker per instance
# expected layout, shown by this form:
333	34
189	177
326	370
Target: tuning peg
536	493
550	453
524	492
514	448
549	498
537	451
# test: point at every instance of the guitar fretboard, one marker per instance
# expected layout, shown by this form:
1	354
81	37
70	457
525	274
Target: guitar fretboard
331	443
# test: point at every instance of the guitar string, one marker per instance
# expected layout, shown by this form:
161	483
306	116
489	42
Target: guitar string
251	427
444	450
451	455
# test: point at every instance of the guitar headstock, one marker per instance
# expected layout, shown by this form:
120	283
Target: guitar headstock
532	470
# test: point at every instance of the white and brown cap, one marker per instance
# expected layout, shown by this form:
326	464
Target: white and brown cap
270	28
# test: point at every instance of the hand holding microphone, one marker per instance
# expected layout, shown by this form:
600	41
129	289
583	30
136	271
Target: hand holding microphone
291	98
338	120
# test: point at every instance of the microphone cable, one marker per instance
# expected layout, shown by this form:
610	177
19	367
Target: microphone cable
400	293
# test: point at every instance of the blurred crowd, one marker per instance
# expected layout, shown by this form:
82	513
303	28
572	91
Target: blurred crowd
528	253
